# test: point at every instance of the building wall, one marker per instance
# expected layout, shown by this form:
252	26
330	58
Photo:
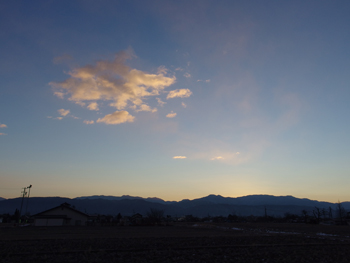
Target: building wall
48	222
76	218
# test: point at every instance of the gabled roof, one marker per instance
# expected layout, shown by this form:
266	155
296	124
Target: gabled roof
64	205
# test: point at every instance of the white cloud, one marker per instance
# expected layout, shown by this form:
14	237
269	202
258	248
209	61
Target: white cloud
117	117
3	125
179	157
113	81
207	80
63	112
59	94
160	102
187	75
162	70
217	158
93	106
80	103
59	118
143	107
171	114
184	104
2	133
89	122
181	93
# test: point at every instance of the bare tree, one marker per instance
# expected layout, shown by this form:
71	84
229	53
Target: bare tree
155	216
317	213
324	213
341	212
304	213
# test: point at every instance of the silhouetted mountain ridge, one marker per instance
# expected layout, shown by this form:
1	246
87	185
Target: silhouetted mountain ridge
110	197
213	205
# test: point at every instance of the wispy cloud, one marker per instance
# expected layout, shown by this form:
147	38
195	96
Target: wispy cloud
117	117
143	107
2	133
171	114
59	94
180	93
160	102
63	112
88	122
3	125
187	75
93	106
61	59
217	158
179	157
184	104
113	81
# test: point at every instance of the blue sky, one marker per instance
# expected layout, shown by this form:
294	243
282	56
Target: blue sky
175	99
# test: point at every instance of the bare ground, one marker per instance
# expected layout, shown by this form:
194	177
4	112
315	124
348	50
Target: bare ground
195	242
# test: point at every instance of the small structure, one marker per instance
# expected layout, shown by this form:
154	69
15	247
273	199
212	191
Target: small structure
62	215
136	219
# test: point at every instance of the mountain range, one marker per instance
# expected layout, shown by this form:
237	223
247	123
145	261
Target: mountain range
213	205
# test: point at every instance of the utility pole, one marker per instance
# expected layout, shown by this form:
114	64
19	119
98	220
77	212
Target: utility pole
24	193
28	198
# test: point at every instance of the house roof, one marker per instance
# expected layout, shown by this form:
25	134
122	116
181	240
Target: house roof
65	205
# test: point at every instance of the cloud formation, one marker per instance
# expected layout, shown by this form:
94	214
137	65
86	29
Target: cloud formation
59	94
2	133
93	106
171	114
63	112
143	107
217	158
113	81
160	102
88	122
179	157
117	117
3	125
61	59
180	93
187	75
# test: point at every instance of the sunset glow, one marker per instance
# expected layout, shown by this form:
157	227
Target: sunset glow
175	99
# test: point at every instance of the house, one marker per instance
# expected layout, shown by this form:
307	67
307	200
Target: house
62	215
136	219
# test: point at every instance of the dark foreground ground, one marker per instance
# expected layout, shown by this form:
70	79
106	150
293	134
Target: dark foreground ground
246	242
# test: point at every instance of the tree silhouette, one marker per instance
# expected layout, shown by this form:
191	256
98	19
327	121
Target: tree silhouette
155	216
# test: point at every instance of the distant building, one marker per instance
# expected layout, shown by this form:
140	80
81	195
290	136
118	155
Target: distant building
62	215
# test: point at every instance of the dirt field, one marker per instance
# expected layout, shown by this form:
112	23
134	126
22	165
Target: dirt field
196	242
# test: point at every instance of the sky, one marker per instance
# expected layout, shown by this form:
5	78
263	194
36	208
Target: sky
175	99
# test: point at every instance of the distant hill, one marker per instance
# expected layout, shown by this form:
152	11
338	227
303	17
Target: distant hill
213	205
2	199
110	197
